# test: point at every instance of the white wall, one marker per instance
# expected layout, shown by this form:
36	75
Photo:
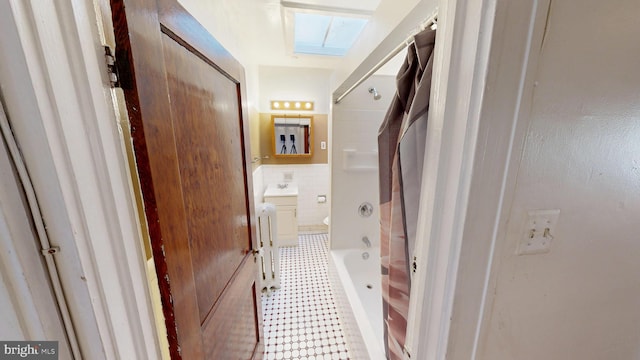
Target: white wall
582	156
8	314
220	19
258	185
312	180
288	83
356	121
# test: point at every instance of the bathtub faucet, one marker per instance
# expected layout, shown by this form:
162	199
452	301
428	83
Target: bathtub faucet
366	241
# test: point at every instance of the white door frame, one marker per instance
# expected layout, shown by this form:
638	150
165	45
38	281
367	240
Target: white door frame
29	308
58	100
461	58
485	59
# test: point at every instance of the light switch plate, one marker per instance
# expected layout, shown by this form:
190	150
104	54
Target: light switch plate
538	233
323	145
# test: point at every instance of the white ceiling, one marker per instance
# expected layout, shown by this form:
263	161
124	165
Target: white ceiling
260	24
366	5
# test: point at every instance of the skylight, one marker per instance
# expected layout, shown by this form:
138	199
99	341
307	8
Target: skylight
325	34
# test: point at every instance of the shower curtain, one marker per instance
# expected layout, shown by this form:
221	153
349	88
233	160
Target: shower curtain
401	146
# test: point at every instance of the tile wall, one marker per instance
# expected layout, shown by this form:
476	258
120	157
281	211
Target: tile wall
258	185
312	180
354	134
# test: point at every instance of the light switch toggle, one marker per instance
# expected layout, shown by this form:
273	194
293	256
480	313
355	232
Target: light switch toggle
539	232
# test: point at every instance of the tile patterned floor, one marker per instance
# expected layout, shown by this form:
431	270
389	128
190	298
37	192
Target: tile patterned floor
300	318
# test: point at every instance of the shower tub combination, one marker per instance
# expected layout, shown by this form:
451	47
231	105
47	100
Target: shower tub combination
355	278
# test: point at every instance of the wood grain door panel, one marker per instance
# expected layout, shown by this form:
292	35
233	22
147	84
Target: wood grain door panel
236	333
205	105
185	97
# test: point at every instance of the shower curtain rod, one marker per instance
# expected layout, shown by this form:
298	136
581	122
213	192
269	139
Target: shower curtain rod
431	20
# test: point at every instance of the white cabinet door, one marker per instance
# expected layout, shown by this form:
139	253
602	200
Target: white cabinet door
287	225
287	218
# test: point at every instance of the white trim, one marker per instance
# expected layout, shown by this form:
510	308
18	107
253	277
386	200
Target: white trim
523	35
475	156
461	59
31	259
40	313
60	107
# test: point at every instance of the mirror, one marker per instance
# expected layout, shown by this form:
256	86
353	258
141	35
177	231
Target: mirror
291	135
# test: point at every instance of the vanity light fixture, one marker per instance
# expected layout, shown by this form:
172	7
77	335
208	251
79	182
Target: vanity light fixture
292	105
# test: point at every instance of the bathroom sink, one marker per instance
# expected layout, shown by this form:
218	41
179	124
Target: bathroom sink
282	189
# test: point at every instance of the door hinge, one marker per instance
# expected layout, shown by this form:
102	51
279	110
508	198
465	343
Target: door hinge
112	68
414	265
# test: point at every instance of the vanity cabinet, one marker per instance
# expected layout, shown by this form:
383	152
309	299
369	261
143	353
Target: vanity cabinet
287	219
286	203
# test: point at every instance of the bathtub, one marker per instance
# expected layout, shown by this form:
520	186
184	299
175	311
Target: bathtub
356	282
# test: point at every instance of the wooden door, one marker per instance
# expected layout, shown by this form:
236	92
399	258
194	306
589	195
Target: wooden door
185	98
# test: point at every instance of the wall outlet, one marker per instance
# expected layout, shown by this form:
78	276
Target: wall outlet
323	145
539	231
